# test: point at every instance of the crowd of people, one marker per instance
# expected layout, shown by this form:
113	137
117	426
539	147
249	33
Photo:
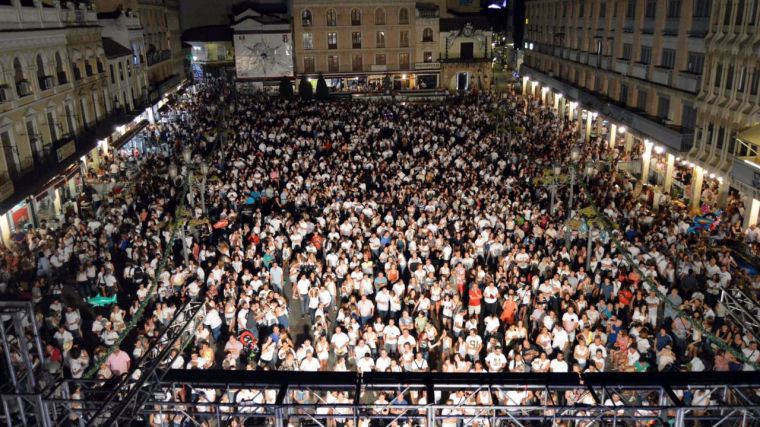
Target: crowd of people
375	236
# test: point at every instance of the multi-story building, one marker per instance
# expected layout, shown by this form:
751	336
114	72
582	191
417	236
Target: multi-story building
53	95
263	43
357	42
163	48
124	47
727	141
634	64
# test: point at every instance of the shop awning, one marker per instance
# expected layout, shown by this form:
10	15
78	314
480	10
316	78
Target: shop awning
750	136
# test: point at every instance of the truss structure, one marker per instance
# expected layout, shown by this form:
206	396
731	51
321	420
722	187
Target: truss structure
742	309
195	397
23	372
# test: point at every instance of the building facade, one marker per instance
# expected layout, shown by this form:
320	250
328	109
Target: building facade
124	47
357	44
53	88
163	47
263	42
727	141
632	65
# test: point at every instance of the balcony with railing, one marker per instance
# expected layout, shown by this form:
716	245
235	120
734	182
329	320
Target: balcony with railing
23	88
639	70
16	15
621	66
46	82
663	76
157	56
687	81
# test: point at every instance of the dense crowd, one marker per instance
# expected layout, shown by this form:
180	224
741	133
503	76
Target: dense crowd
375	236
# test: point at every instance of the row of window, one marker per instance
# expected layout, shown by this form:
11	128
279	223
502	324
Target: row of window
742	8
331	17
741	78
356	39
700	8
357	62
45	81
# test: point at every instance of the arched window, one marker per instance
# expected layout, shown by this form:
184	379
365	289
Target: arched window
332	18
356	17
40	66
427	35
22	85
379	16
18	71
403	16
59	71
306	18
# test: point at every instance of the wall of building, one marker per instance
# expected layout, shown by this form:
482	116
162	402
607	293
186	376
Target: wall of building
371	52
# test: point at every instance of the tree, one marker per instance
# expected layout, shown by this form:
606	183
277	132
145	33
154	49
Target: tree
322	92
305	90
286	88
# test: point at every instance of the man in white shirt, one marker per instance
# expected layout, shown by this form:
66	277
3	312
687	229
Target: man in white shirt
339	342
558	364
496	360
309	363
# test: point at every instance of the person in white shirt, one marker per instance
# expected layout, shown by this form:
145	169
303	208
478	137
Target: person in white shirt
309	363
558	364
496	361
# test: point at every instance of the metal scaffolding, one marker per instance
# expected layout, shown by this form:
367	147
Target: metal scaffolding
482	399
742	309
117	402
24	375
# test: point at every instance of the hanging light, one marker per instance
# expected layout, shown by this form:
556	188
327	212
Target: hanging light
575	154
187	155
557	169
172	171
204	168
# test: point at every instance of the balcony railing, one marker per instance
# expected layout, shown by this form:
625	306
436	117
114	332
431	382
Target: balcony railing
158	56
46	82
688	82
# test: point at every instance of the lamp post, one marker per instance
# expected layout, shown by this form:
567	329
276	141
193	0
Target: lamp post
575	154
173	175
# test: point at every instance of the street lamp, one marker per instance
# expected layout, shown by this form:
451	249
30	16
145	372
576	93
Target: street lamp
575	154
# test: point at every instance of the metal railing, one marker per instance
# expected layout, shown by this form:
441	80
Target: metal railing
279	398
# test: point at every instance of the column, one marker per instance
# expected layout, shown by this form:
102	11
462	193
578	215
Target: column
526	80
589	120
556	103
580	121
544	95
562	104
669	166
628	142
751	209
613	134
698	179
646	159
723	193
